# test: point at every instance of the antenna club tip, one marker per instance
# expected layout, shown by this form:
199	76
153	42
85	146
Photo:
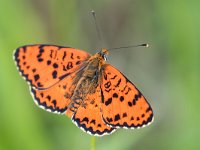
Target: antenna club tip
145	45
93	12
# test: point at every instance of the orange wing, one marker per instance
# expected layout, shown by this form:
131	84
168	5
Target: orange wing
89	116
56	98
123	105
44	65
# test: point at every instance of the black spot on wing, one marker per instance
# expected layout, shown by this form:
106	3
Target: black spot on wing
108	102
34	70
36	77
132	118
107	90
40	59
72	55
78	62
124	115
41	49
48	62
105	76
51	53
136	97
107	84
54	102
55	65
121	98
129	89
42	94
39	55
93	121
24	49
39	84
113	77
115	95
64	87
69	65
117	117
109	120
118	83
130	104
54	74
102	96
64	55
48	97
124	88
148	109
134	102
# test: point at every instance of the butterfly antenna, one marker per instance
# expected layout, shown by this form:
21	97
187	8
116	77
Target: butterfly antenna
140	45
97	27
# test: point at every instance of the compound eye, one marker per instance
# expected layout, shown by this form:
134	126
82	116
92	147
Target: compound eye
105	57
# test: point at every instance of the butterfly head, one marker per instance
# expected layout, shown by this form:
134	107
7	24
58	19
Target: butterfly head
104	54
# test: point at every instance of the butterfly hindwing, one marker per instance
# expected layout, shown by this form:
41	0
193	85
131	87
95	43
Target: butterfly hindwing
123	104
44	65
88	116
56	98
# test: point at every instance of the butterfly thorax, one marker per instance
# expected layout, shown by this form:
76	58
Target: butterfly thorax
87	79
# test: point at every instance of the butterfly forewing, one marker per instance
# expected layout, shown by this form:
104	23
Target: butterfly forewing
123	105
44	65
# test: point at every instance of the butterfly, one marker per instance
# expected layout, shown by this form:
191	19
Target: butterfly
95	95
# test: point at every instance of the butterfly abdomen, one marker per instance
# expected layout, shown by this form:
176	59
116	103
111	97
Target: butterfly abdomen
87	83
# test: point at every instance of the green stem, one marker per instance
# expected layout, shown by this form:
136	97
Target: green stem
93	142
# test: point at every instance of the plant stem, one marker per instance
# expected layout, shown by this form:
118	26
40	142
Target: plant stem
93	143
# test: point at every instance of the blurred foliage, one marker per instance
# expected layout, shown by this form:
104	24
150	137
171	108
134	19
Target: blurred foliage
167	72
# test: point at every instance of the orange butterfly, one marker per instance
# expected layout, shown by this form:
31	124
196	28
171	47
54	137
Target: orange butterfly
95	95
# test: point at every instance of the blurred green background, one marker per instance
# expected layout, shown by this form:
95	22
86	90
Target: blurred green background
167	72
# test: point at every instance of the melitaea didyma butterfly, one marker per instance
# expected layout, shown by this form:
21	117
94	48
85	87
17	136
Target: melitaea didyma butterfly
95	95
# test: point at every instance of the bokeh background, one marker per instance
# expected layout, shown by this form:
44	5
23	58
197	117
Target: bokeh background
167	73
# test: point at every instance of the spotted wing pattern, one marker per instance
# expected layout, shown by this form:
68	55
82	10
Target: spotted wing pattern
123	105
56	98
44	65
89	116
